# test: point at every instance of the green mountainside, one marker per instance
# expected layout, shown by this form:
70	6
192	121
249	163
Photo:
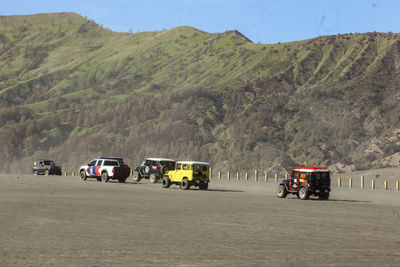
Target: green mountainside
71	90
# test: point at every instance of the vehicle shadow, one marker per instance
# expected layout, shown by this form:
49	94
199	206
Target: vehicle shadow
223	190
347	200
333	200
208	190
133	182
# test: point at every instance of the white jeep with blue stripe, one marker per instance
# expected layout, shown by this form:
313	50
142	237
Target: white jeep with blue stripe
105	168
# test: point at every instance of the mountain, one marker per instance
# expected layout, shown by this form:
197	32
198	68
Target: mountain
71	90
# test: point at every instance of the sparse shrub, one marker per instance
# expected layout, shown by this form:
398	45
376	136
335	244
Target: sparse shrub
22	28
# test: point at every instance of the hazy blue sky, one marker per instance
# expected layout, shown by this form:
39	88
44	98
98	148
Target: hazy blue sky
261	21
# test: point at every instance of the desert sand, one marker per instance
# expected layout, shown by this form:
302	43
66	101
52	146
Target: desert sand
63	221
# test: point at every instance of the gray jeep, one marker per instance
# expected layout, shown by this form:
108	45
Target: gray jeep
46	167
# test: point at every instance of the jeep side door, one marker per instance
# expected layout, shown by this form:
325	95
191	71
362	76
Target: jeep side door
91	167
175	173
303	178
41	165
97	168
186	171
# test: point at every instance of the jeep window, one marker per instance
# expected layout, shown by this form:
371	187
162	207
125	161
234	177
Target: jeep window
321	175
186	166
93	163
148	162
179	166
295	174
48	162
204	168
110	163
99	163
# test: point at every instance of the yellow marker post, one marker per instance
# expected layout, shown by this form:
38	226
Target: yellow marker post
255	175
219	175
385	184
237	176
339	182
229	175
373	184
266	177
350	182
247	176
362	181
210	173
397	186
276	177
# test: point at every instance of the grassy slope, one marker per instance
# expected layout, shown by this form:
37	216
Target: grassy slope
70	89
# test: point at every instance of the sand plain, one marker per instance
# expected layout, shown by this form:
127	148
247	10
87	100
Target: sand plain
63	221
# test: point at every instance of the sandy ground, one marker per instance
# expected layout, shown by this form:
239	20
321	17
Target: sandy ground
62	221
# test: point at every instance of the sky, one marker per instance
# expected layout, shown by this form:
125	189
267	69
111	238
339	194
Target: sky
264	21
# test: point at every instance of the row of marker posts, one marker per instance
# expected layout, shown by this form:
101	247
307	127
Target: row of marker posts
246	176
362	183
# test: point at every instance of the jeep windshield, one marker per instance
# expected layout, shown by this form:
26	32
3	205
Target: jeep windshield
49	162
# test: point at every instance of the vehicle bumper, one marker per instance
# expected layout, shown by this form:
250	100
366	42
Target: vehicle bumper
199	181
55	171
321	191
123	175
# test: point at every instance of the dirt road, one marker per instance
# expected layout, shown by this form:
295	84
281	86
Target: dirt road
63	221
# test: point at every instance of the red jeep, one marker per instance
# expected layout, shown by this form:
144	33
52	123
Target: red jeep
305	182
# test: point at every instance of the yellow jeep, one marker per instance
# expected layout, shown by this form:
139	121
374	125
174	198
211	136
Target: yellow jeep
187	174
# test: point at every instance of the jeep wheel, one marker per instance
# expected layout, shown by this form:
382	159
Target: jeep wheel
98	179
35	172
203	186
166	182
185	185
82	174
303	193
136	177
46	172
281	192
153	178
324	196
104	177
121	180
